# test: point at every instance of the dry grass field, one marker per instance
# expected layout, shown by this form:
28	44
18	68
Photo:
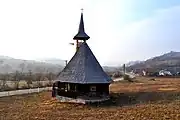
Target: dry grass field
143	99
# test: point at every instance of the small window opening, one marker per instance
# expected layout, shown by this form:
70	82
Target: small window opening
93	88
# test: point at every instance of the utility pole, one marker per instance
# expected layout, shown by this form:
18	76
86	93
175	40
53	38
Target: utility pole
124	69
66	62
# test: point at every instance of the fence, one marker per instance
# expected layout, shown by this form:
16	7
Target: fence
25	91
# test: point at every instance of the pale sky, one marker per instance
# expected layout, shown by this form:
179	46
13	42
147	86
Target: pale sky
120	30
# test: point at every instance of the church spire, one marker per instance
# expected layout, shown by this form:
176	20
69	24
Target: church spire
81	35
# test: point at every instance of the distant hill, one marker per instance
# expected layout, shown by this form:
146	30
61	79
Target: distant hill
5	57
52	61
9	65
132	63
169	61
62	62
110	69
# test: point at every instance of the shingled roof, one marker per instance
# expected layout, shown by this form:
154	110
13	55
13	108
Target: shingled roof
83	68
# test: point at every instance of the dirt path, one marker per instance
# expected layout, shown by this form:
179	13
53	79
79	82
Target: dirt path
20	92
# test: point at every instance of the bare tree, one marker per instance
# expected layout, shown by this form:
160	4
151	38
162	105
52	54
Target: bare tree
7	68
4	82
50	78
29	79
39	77
22	65
16	80
1	61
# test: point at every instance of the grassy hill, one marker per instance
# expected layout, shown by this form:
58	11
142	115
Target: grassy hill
169	61
9	65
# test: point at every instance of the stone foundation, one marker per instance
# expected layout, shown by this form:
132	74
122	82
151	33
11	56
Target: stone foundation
80	100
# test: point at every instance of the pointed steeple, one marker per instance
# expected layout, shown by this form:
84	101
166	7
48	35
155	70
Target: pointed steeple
81	35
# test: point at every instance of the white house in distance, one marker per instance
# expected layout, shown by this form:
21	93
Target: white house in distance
165	73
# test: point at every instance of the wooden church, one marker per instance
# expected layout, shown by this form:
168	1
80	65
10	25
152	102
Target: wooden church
83	79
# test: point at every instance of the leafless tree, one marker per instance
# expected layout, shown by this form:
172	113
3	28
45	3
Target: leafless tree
4	81
39	78
6	68
16	80
29	79
50	78
22	65
1	61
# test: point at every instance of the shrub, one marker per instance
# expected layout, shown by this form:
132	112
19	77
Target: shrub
152	79
29	83
7	88
40	85
49	85
25	87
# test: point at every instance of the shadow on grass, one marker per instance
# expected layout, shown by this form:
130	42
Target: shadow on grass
127	99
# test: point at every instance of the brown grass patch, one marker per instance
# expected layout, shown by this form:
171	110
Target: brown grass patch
167	89
141	100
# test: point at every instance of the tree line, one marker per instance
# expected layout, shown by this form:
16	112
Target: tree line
29	78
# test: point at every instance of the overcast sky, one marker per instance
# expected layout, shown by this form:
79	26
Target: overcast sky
120	30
